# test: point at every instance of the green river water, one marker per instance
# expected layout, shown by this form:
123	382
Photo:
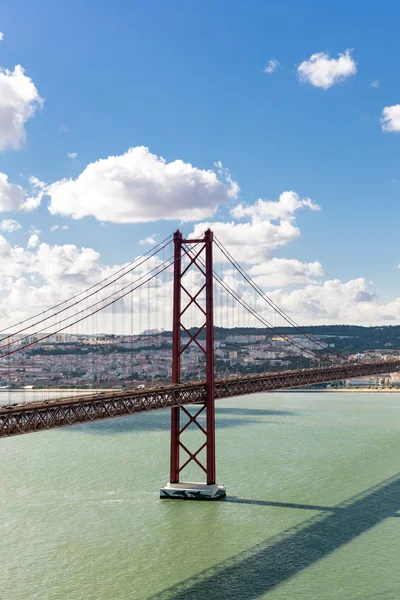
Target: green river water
313	506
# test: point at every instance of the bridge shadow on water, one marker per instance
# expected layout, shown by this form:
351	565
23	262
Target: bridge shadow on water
161	420
263	567
280	504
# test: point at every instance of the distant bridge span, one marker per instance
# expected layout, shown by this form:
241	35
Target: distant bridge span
51	414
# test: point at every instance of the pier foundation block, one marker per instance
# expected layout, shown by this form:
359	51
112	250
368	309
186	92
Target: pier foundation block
192	491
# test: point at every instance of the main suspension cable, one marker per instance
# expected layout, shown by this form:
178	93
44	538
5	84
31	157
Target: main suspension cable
260	318
252	311
129	267
91	306
268	300
90	314
160	270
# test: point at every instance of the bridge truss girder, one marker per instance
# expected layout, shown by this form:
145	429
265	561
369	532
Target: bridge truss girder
39	416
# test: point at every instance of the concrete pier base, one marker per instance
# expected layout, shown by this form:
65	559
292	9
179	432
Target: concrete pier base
192	491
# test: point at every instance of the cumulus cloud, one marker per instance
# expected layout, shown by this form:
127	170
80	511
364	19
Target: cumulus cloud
1	36
252	241
272	66
138	186
55	264
283	272
284	208
37	192
297	287
148	241
9	225
322	71
12	196
33	241
271	225
72	155
43	275
38	277
335	301
318	302
19	101
391	118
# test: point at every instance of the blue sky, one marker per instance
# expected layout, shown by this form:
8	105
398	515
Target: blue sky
186	80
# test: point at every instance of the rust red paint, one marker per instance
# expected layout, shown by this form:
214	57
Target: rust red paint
203	253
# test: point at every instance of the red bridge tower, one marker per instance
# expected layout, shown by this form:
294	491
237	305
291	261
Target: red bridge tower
197	254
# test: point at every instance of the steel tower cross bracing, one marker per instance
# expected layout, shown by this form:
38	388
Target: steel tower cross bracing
198	254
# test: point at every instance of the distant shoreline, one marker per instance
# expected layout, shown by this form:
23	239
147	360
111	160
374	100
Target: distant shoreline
69	390
311	390
339	390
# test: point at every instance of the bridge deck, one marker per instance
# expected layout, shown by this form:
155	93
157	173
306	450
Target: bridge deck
62	412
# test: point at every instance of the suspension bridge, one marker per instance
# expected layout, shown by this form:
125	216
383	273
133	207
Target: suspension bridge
204	290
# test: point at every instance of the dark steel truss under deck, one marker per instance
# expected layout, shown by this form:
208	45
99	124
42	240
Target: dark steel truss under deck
50	414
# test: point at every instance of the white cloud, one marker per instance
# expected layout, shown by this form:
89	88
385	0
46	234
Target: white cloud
138	186
374	84
283	272
63	129
36	278
38	190
33	241
61	270
19	101
226	177
12	196
271	225
391	118
148	241
56	227
326	302
285	207
72	155
336	302
252	241
322	71
272	66
9	225
39	277
1	36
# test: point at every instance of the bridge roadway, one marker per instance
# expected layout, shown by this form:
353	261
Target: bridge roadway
49	414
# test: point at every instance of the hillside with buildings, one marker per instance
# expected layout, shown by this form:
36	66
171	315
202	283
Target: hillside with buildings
67	360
